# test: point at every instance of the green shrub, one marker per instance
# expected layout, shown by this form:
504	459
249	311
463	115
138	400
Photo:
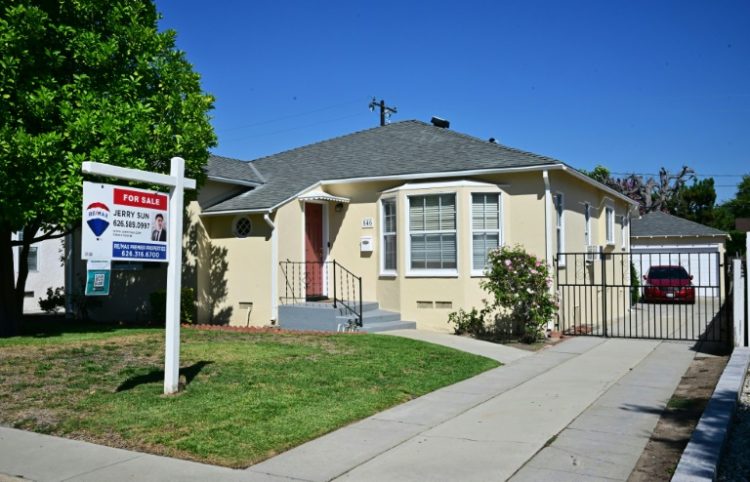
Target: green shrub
158	301
470	323
522	303
635	285
55	299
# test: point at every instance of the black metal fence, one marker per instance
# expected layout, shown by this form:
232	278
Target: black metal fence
306	282
644	294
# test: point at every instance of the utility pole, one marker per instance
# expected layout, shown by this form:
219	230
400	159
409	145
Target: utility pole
385	111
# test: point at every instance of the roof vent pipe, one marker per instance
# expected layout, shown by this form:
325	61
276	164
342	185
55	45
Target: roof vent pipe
492	140
438	122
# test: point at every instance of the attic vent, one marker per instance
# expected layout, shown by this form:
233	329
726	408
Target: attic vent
492	140
439	122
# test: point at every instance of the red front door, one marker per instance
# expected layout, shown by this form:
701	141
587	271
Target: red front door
314	250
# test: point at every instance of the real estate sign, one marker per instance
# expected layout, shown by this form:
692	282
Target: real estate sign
124	223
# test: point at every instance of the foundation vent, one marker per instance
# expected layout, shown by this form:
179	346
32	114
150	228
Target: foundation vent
424	304
444	305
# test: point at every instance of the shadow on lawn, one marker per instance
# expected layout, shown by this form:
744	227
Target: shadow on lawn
45	326
155	376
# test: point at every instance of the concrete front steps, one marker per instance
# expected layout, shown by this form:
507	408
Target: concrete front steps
322	316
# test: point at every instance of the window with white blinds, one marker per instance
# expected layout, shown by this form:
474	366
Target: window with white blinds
432	231
389	250
486	227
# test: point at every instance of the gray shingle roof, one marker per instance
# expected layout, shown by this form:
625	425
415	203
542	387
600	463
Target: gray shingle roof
657	223
402	148
228	168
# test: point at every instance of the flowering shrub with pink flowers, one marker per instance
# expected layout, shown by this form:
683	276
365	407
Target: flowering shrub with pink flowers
523	302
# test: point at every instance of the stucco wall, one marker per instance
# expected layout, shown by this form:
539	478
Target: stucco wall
235	270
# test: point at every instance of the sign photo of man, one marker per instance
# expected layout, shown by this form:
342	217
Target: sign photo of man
159	232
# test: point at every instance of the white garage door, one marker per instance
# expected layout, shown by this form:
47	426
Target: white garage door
701	261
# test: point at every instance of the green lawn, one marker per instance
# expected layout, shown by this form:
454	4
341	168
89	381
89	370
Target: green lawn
248	397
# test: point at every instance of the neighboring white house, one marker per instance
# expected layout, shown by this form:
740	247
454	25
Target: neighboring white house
46	270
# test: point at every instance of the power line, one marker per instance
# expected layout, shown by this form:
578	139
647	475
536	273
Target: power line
328	121
292	116
657	175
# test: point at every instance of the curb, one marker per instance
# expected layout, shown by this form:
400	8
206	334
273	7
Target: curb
703	453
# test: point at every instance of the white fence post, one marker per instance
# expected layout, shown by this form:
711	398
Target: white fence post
739	303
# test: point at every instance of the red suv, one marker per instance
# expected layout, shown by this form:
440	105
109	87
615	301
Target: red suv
668	283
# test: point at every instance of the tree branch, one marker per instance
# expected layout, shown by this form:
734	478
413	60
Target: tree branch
54	234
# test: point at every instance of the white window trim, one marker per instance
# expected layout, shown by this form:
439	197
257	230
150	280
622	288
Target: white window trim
609	225
587	224
625	230
430	273
560	230
387	272
480	272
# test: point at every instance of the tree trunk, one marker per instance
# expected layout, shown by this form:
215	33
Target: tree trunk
10	316
23	267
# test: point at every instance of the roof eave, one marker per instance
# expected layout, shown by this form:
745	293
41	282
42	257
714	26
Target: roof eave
651	236
445	174
235	211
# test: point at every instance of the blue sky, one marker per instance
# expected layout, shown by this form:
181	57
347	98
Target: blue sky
632	85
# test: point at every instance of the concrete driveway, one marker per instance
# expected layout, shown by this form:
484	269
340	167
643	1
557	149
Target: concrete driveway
701	320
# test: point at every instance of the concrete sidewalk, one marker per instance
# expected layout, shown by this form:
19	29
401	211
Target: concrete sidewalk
581	410
495	351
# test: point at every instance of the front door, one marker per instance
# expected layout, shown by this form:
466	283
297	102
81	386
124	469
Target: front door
314	250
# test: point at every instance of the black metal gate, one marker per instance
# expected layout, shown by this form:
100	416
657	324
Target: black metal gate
670	295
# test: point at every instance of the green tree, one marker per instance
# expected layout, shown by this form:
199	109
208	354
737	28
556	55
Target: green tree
740	205
84	80
599	173
695	202
728	212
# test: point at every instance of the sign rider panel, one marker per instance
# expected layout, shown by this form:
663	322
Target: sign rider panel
124	223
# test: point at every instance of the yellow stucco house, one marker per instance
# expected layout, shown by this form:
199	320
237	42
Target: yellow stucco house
391	225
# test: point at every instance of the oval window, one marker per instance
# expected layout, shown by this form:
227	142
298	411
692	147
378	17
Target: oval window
242	227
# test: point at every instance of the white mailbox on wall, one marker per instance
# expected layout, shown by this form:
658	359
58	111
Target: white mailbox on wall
365	244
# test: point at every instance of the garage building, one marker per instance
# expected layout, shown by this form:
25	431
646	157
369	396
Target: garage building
659	238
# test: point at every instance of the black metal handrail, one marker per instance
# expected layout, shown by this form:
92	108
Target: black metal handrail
311	281
348	284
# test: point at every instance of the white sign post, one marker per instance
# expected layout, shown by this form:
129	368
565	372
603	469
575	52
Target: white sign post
177	183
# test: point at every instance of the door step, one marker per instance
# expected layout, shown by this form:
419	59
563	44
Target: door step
322	316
